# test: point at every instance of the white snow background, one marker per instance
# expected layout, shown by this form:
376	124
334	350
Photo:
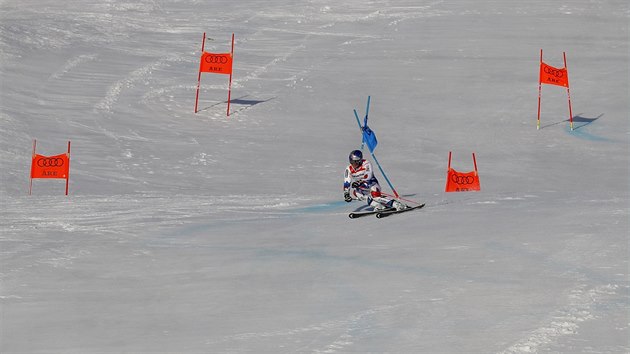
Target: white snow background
201	233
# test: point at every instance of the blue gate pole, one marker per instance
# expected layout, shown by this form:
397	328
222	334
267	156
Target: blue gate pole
356	115
384	175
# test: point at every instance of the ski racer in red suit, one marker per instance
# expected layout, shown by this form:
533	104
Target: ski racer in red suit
360	184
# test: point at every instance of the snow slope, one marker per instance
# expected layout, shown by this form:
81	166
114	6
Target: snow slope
195	233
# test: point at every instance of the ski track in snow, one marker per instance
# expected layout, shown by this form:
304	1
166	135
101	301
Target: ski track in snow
580	307
341	330
138	75
111	214
71	64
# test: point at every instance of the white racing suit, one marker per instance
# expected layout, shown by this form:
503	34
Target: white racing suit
362	185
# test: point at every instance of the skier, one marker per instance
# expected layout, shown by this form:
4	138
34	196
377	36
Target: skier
361	184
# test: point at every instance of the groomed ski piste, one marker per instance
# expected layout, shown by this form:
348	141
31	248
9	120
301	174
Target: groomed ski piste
201	233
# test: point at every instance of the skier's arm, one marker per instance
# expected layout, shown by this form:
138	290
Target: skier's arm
346	185
347	180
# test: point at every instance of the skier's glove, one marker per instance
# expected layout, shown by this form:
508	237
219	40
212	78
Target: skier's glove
346	196
356	184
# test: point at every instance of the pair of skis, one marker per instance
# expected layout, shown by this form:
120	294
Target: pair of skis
384	212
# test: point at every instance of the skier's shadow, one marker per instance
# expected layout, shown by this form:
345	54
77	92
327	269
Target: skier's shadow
586	121
576	119
362	208
241	101
250	103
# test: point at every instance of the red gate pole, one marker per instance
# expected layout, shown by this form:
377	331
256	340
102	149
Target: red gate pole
231	70
30	189
539	90
203	43
568	91
68	174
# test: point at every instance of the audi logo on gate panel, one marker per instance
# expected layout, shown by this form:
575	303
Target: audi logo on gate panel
459	179
216	59
553	71
50	162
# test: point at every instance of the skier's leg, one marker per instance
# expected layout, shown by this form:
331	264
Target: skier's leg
359	194
376	198
379	201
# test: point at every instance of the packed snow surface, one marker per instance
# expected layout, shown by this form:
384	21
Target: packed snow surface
202	233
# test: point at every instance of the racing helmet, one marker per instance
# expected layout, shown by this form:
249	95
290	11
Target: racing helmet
356	156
